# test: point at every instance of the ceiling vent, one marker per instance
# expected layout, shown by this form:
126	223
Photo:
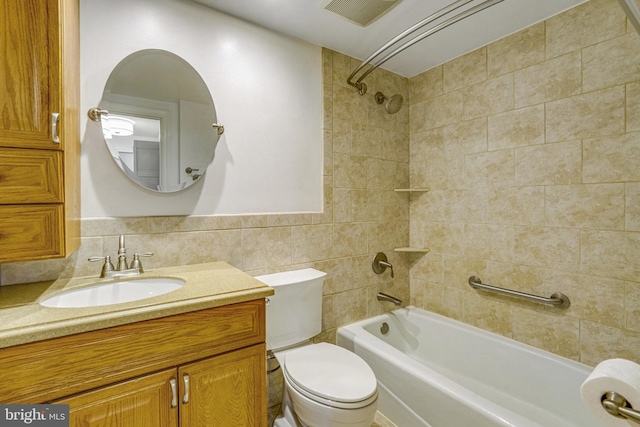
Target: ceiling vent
362	12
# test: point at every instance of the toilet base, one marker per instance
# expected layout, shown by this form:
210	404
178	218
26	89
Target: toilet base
288	418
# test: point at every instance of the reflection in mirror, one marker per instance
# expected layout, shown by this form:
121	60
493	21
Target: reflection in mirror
158	120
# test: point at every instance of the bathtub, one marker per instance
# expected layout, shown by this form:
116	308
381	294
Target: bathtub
436	372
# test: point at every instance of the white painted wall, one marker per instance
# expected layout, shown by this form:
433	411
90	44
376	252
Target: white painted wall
267	90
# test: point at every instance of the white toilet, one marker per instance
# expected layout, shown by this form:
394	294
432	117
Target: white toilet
324	385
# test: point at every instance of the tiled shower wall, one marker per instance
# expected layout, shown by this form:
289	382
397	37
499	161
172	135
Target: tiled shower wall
531	147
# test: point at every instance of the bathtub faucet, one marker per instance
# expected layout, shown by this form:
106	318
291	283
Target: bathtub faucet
380	264
385	297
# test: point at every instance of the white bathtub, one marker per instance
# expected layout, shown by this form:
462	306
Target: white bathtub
436	372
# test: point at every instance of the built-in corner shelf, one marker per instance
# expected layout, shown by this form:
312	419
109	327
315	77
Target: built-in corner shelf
411	190
414	250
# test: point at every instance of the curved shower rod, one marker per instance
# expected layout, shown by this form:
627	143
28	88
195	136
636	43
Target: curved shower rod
632	11
362	87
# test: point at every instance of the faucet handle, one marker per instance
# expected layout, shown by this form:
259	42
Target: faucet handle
136	261
380	264
106	267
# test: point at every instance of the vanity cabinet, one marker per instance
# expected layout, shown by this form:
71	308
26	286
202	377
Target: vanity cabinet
202	368
39	129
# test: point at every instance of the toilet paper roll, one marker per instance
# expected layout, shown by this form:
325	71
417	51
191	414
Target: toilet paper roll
619	375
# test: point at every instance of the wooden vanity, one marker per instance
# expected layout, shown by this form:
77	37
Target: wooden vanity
201	367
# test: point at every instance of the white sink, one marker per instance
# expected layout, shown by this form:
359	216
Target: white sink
114	292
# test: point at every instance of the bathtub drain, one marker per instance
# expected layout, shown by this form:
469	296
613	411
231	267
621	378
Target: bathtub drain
384	328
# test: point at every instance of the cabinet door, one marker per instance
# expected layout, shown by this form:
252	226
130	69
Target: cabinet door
30	232
226	390
30	176
141	402
30	72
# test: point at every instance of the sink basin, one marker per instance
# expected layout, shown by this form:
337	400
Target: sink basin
114	292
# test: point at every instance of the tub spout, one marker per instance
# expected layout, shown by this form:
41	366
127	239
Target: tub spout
385	297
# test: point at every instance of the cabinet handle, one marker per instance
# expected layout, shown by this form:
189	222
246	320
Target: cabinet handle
185	398
174	393
55	118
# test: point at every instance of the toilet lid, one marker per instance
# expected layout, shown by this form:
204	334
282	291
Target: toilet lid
331	372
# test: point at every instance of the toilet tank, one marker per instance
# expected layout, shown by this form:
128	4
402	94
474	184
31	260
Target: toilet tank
294	312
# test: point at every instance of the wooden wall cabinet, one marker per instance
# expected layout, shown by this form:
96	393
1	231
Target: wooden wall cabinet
39	129
199	369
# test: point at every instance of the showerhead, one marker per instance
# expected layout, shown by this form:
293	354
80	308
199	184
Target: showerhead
393	105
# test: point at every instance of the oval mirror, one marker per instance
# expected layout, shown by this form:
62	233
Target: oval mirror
158	120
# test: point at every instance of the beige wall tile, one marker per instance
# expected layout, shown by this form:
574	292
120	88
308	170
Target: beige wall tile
490	97
458	269
444	237
554	79
428	268
489	242
349	105
465	70
600	342
633	107
465	137
487	312
466	205
425	85
552	332
589	115
494	168
447	174
516	205
516	128
632	206
442	110
349	171
517	277
611	254
311	243
349	239
612	159
266	247
549	164
584	25
632	306
366	140
554	248
611	62
516	51
598	206
596	299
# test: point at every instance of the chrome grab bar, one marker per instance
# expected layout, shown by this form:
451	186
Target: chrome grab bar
557	299
617	405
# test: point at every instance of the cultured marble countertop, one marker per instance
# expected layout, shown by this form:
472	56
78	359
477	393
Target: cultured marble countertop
24	320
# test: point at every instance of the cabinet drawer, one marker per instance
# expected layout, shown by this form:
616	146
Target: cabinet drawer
47	370
30	232
30	176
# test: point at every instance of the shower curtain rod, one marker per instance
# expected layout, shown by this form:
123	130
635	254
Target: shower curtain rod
362	87
632	11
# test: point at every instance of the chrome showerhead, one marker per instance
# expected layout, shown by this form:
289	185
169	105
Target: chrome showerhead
393	105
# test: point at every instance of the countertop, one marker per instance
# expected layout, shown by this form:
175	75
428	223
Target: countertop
24	320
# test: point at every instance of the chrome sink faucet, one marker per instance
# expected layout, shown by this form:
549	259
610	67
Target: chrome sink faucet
123	269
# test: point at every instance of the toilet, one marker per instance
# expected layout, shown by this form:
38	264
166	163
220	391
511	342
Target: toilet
324	385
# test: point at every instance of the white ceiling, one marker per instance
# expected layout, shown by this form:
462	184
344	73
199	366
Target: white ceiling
305	19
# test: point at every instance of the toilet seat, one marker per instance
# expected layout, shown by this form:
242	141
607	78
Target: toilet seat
331	375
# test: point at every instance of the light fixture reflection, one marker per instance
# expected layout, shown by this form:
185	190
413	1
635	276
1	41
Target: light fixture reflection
120	126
